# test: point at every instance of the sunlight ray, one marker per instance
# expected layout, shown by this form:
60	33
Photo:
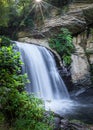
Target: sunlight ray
41	12
28	14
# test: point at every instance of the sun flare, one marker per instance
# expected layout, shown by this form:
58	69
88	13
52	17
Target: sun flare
38	1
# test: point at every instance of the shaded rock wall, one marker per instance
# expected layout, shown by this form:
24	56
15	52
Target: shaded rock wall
81	59
76	21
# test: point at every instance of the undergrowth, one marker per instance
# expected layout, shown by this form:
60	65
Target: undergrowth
62	43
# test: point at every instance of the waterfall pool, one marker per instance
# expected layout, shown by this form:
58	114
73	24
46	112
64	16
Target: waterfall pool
71	109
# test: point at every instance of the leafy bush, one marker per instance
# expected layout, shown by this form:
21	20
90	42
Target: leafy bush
4	41
21	110
62	43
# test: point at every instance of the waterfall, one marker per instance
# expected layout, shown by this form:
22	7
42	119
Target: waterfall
40	66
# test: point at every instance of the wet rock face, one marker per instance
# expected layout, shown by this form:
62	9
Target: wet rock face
85	95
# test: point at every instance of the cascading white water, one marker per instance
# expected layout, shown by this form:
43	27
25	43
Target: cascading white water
42	72
45	81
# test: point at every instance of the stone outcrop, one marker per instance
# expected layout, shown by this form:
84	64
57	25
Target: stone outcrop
76	21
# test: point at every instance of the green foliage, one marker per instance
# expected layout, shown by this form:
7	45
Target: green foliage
91	32
7	8
29	23
21	110
3	12
62	43
13	12
32	115
4	41
1	118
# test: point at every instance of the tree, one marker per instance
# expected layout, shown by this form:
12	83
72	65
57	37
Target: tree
3	12
9	9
